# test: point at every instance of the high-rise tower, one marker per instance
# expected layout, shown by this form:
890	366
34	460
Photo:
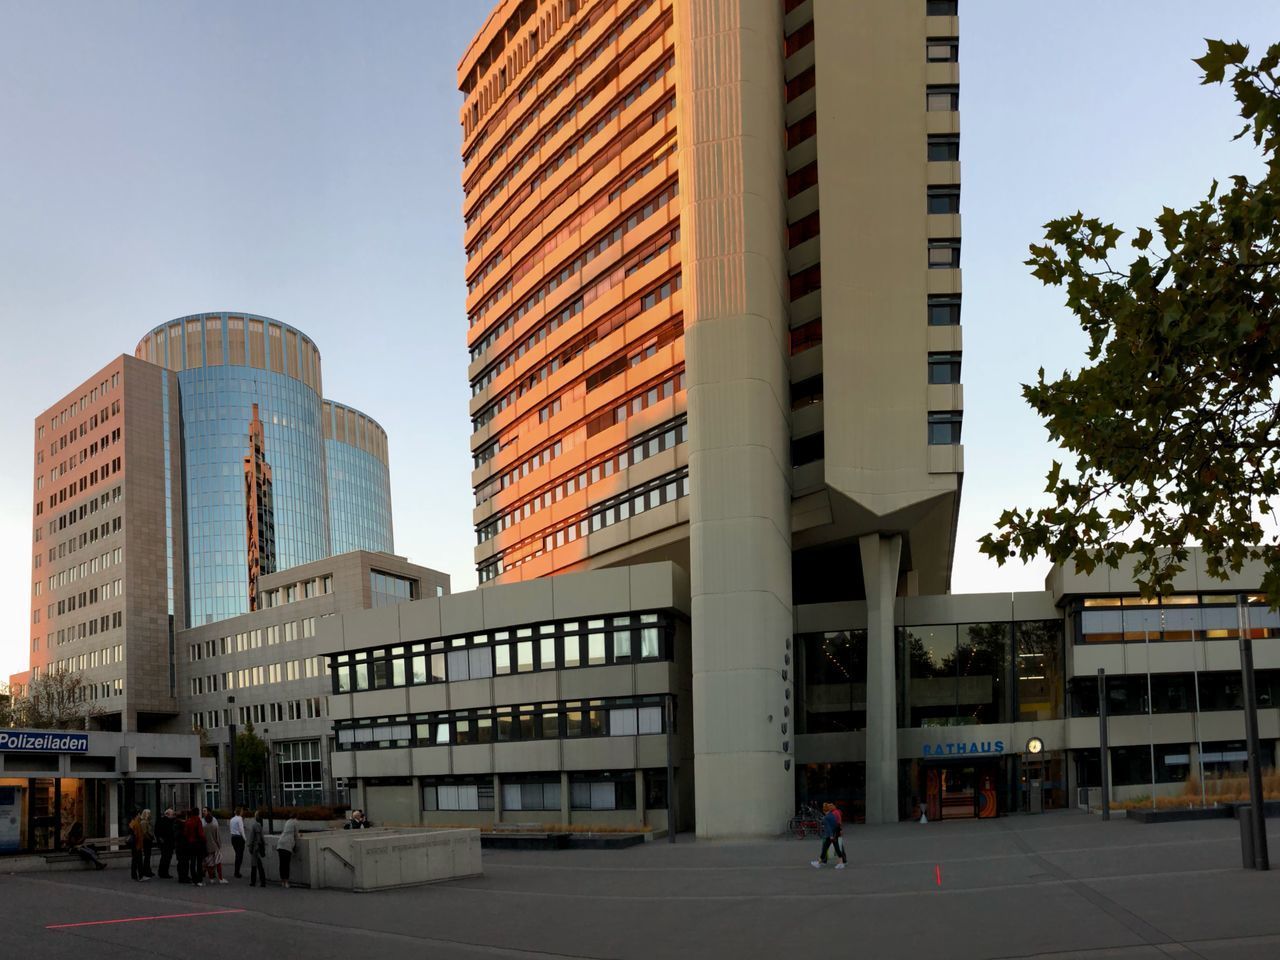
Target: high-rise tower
713	295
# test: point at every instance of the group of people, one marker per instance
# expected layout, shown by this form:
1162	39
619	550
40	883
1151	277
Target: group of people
194	838
832	837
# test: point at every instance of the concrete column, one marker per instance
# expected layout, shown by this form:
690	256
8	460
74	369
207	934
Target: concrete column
497	798
564	797
880	560
640	811
733	231
113	808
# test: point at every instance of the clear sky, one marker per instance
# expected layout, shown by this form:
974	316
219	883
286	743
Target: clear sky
300	160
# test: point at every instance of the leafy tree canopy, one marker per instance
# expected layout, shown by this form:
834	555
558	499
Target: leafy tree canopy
1174	424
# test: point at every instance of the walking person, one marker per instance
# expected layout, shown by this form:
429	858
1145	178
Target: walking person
285	847
212	848
237	838
839	844
257	841
137	832
193	847
164	831
830	829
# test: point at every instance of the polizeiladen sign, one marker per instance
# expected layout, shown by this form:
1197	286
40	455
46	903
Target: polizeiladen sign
43	741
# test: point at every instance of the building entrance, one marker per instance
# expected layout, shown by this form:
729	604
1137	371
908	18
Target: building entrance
960	790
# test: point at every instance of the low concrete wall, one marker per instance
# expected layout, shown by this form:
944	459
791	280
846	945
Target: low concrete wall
379	859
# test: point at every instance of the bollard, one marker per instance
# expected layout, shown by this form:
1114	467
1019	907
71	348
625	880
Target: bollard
1244	815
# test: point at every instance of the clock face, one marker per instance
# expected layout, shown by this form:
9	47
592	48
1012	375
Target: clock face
1035	745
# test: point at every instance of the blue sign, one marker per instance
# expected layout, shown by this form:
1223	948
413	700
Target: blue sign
963	749
46	741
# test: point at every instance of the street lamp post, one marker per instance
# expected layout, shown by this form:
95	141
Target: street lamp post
231	753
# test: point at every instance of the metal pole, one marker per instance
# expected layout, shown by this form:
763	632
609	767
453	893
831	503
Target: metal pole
231	766
1257	809
1195	719
671	780
1151	706
1104	773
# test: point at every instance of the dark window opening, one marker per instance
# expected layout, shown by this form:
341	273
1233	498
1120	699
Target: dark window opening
944	427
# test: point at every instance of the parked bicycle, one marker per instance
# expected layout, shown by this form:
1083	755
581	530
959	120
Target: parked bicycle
807	822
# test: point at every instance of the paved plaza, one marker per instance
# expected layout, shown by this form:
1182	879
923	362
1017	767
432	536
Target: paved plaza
1057	886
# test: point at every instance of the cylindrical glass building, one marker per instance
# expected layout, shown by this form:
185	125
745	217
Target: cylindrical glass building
359	478
226	363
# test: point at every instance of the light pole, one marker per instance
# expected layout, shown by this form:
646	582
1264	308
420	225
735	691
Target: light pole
231	753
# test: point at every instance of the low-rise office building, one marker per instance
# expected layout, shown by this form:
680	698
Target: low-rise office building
267	669
548	701
50	779
564	700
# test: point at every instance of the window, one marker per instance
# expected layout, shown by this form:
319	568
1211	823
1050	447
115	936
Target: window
944	254
940	8
944	368
540	795
603	791
808	449
945	199
1131	766
944	310
942	50
942	97
387	589
944	427
458	795
806	336
806	392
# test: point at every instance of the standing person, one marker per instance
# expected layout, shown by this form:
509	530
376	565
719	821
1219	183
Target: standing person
164	837
257	850
137	830
212	847
285	847
193	845
148	842
237	838
830	826
357	821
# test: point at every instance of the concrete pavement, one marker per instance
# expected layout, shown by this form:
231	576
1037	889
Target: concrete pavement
1058	886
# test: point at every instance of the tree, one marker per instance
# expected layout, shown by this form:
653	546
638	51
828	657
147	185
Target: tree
251	757
1175	422
56	700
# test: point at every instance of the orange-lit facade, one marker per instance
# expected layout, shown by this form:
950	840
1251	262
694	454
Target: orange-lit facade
574	298
107	584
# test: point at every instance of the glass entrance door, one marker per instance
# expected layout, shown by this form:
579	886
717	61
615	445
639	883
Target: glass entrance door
43	822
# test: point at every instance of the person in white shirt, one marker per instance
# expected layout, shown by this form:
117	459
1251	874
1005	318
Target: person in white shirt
237	838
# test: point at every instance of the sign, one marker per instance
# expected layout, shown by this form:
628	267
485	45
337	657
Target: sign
46	741
964	748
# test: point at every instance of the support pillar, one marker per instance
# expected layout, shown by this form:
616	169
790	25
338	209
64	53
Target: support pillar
735	295
880	560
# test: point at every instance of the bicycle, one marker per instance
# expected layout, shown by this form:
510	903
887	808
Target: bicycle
807	821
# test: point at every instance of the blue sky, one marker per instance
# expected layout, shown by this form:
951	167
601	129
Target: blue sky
300	160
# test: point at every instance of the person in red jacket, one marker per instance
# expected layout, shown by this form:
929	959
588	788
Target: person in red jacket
191	863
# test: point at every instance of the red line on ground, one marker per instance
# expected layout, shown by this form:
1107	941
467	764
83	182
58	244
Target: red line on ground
937	872
167	916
